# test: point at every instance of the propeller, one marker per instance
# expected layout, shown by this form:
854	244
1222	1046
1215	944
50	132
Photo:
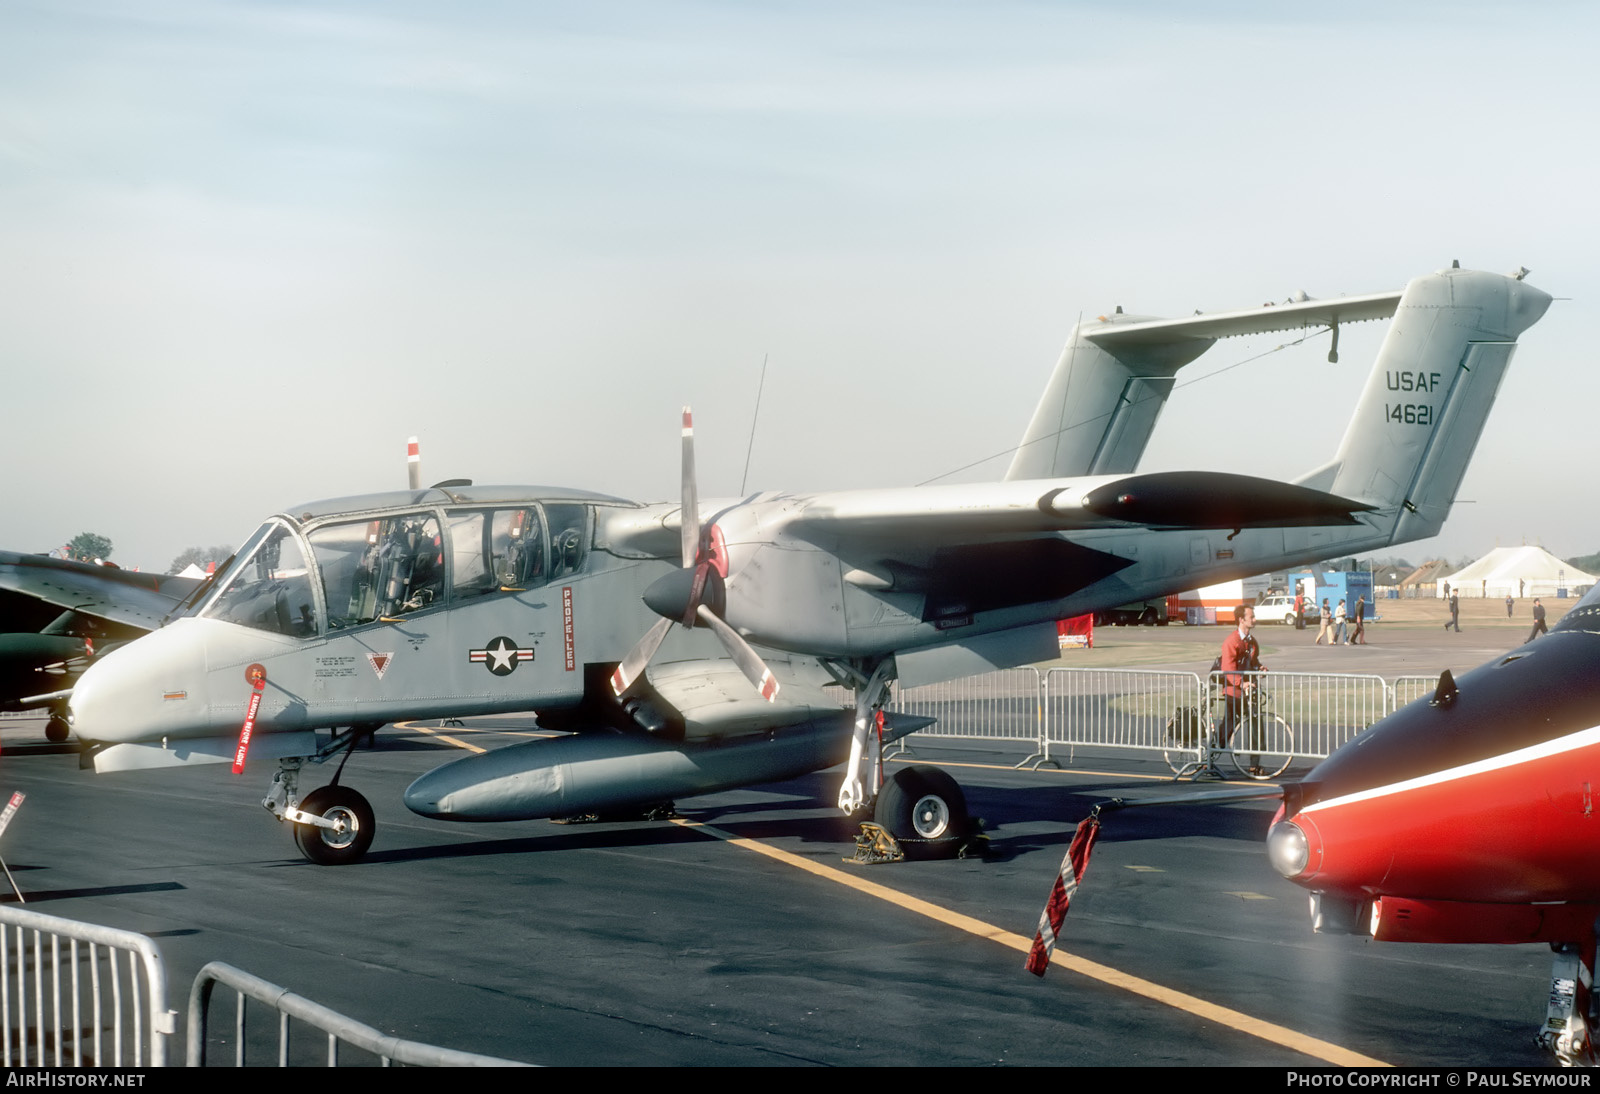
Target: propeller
694	595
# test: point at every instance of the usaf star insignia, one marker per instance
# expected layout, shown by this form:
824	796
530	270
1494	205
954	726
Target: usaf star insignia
501	656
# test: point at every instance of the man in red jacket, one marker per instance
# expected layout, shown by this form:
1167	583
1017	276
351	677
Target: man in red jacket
1240	654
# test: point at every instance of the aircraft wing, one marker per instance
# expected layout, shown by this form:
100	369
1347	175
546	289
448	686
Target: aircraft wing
715	700
1262	320
942	515
123	596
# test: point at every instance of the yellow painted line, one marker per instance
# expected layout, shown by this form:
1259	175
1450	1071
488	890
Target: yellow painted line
440	736
1251	896
1105	974
1145	869
412	727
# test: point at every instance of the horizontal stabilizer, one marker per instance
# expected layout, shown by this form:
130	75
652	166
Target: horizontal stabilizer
1262	320
1215	499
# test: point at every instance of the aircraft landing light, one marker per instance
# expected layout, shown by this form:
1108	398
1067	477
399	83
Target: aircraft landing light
1267	1031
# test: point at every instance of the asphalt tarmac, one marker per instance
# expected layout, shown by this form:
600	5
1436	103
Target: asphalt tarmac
738	935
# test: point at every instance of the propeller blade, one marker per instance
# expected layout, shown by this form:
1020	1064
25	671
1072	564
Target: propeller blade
638	657
748	660
691	500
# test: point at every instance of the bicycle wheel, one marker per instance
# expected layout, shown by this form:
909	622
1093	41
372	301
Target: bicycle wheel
1180	743
1263	748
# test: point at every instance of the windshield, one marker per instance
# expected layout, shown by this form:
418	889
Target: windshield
269	587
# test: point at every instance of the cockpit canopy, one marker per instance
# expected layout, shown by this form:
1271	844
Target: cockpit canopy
333	574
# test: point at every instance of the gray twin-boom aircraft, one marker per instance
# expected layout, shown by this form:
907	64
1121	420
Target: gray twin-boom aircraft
681	648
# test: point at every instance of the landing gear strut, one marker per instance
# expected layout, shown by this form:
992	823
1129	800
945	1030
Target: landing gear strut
1568	1030
861	771
333	825
921	808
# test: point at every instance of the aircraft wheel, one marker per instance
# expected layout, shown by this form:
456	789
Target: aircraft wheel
924	810
1148	619
56	729
341	846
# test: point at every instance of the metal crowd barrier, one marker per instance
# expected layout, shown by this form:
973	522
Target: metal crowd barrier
1323	709
1134	709
338	1028
1116	708
101	991
997	706
76	994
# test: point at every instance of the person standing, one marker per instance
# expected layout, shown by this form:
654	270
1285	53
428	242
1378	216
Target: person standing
1240	654
1509	602
1326	619
1358	635
1300	611
1339	621
1455	614
1538	622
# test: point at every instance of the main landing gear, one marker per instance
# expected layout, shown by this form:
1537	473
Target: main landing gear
333	825
925	811
920	809
1568	1031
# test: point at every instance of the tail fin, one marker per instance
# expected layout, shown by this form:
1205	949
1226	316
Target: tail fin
1430	391
1100	405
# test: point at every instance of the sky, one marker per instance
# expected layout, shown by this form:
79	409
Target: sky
247	249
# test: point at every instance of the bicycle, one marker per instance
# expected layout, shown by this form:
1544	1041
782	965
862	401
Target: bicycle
1262	746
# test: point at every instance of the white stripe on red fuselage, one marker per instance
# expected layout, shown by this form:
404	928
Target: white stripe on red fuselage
1516	827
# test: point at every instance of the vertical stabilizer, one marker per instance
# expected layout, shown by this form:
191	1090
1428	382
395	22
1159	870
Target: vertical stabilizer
1100	405
1425	404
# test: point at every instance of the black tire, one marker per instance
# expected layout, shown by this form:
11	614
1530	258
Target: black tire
56	729
325	846
1148	619
1262	750
924	810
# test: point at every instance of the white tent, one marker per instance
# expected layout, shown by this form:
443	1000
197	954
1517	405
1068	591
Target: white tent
1518	572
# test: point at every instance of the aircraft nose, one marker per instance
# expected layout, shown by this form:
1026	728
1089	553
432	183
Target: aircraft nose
139	691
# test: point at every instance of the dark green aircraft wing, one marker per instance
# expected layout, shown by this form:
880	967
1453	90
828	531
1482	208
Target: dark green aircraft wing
122	596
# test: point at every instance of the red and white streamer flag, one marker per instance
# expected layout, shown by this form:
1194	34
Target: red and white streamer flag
257	676
1067	882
